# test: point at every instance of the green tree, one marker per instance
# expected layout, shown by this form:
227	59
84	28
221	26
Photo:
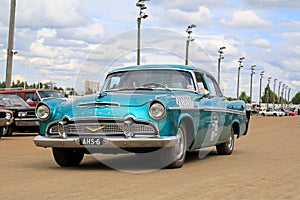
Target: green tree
296	99
244	97
269	95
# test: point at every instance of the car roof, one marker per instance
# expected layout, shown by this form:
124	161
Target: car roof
9	95
162	66
10	90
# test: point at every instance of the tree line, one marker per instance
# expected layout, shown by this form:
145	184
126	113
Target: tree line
269	96
24	85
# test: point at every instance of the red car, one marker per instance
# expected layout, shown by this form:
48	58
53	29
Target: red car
293	112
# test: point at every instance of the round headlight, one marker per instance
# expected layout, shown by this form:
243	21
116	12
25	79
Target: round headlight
8	116
43	112
157	110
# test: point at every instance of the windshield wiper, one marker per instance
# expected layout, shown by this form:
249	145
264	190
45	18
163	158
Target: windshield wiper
124	89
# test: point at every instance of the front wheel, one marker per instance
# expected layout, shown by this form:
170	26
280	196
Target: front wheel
177	154
66	157
7	131
1	131
227	147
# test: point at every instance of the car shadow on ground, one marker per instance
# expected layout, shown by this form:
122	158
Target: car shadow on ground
132	162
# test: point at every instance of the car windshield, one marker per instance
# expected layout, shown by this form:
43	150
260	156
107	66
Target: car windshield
50	94
12	101
149	79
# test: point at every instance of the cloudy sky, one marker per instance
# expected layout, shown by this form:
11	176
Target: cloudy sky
70	41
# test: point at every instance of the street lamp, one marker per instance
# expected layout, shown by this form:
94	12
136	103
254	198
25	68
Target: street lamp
238	81
268	91
286	87
283	86
289	96
189	39
260	82
219	61
279	92
10	47
142	15
274	93
252	72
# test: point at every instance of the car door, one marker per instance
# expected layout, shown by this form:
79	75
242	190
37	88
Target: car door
212	111
217	111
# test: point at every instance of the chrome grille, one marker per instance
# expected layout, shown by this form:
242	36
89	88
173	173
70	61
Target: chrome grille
106	129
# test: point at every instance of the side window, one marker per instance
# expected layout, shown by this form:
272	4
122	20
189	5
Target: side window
213	86
29	96
200	82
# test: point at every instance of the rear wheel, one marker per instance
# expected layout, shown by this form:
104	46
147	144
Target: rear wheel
1	131
66	157
227	147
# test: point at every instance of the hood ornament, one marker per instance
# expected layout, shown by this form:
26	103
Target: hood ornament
95	129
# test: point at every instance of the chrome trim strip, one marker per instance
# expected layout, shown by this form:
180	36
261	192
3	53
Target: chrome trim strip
211	109
96	103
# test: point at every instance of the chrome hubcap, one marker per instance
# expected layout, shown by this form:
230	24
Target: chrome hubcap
180	147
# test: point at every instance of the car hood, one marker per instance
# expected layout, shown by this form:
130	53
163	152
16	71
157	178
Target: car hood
123	99
115	104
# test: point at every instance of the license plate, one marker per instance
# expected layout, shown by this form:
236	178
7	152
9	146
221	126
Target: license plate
91	141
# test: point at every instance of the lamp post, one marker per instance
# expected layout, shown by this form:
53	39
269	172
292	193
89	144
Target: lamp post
283	86
219	61
189	39
286	87
252	72
10	51
278	101
260	83
289	92
238	81
274	93
142	15
268	91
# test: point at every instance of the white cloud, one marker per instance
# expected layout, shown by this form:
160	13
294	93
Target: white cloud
295	83
294	25
190	6
46	32
90	33
264	43
201	17
55	13
273	3
246	19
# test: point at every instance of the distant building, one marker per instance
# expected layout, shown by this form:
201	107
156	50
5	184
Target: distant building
91	87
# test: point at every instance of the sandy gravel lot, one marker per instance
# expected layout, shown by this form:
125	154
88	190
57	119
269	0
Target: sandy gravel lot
264	165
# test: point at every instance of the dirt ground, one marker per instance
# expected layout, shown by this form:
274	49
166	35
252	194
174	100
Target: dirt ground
264	165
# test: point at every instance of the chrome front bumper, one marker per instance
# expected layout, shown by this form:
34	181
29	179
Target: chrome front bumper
26	122
120	142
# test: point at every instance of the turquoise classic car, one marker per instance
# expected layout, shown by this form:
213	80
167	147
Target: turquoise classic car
167	109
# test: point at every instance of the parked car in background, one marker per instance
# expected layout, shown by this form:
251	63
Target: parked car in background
271	112
168	110
32	96
6	119
292	111
24	118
